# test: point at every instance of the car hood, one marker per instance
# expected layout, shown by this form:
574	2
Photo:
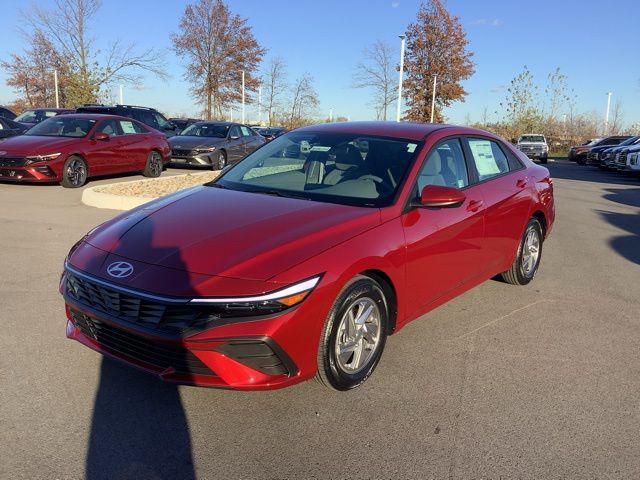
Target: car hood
233	234
32	145
188	142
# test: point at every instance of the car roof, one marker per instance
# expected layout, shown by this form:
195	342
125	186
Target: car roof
43	109
96	116
405	130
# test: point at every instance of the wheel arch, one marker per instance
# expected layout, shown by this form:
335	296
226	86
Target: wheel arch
389	290
541	217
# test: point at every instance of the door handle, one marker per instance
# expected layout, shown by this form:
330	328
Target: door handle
521	183
474	205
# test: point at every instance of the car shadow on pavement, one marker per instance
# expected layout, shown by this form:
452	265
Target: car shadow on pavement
626	245
139	428
586	173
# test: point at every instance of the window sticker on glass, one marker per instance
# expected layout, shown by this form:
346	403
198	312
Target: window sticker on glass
484	159
127	127
411	147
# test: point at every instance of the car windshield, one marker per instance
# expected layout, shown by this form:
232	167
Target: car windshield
206	130
532	138
592	142
62	126
328	167
629	141
29	116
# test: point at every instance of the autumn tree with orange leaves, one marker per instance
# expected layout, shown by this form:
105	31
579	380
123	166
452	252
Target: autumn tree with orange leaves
217	46
436	45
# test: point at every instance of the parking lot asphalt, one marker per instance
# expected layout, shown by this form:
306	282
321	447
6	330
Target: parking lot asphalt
540	381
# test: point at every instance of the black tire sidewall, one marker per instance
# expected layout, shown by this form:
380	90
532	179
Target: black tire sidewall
220	162
148	171
360	288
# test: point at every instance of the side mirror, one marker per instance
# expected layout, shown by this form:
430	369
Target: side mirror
101	136
436	196
234	137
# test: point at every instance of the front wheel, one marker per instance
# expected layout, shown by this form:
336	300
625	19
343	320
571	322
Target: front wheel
354	335
153	168
74	172
220	161
528	257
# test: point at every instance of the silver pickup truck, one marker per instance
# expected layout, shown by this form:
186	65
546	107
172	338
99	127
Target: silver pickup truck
534	145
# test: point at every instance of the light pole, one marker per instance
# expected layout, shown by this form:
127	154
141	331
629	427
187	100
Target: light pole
242	96
121	94
399	105
433	97
260	105
55	81
606	117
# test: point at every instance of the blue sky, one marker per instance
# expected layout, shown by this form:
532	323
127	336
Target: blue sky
598	48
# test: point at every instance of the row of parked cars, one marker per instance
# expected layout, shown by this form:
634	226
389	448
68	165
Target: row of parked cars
617	152
69	146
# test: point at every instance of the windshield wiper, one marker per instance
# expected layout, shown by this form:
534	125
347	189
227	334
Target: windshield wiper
277	193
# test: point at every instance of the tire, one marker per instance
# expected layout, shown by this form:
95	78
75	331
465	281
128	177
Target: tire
153	168
220	161
544	160
581	161
353	367
525	266
74	172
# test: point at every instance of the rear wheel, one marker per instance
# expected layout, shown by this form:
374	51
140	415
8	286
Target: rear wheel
528	257
354	335
154	165
74	172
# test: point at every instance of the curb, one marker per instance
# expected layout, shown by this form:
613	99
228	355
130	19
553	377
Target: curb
94	198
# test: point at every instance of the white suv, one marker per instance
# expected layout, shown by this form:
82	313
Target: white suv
534	145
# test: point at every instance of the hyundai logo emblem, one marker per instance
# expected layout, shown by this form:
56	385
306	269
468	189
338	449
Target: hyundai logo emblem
120	269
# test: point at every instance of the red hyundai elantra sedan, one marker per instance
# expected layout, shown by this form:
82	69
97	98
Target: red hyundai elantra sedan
300	260
71	148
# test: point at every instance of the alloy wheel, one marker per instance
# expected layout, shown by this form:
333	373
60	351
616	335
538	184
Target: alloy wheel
76	172
358	335
155	164
530	252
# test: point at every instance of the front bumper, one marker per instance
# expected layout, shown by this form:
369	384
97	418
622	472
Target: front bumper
201	159
256	353
535	154
33	174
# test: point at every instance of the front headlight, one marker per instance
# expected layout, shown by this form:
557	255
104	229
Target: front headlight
42	158
205	149
268	303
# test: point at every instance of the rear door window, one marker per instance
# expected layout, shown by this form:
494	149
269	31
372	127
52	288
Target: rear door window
488	158
246	131
129	127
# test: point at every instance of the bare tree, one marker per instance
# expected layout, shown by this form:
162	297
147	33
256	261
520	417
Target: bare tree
67	26
304	100
616	119
275	85
217	46
378	73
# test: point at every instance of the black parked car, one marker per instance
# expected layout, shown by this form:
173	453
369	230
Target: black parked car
7	113
183	123
148	116
269	133
213	144
33	116
9	128
596	153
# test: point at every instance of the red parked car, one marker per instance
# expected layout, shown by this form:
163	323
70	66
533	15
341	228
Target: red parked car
70	148
301	259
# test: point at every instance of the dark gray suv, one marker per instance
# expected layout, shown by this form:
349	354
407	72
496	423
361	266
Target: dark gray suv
146	115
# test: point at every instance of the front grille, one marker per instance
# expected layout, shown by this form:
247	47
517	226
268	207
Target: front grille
175	319
176	152
12	162
159	316
122	343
